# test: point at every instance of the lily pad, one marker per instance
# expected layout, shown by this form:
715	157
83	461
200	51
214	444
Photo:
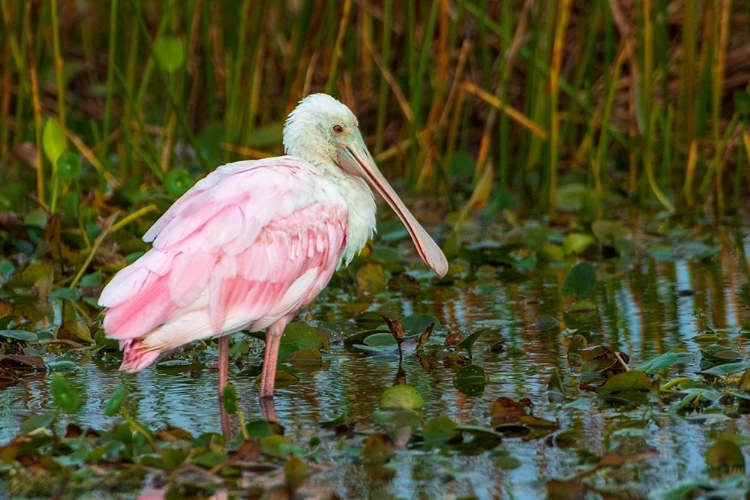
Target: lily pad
470	380
404	397
580	281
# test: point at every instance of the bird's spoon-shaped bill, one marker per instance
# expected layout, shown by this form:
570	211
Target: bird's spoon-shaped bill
356	159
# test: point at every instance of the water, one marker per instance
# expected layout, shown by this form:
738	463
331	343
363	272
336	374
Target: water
644	306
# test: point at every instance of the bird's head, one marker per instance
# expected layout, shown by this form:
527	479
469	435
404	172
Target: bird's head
326	133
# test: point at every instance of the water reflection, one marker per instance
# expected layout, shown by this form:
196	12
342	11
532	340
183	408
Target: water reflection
646	307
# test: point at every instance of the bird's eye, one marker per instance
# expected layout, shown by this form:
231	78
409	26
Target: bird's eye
338	129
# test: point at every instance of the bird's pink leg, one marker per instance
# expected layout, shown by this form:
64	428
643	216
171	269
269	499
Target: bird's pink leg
223	378
273	339
223	363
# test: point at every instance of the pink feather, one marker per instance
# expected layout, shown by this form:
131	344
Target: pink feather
238	250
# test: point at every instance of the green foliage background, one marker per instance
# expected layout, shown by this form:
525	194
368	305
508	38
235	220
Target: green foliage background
477	103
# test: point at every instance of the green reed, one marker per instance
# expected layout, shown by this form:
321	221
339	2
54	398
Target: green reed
635	103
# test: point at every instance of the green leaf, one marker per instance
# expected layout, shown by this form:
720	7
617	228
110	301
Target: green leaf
177	182
417	323
296	472
65	396
53	140
169	52
545	322
577	243
580	281
258	429
37	422
378	448
380	340
660	362
470	380
18	335
68	166
726	369
439	430
725	456
210	459
115	401
229	398
276	445
302	336
632	380
173	458
468	342
401	396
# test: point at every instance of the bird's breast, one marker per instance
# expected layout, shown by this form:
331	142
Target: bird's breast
361	207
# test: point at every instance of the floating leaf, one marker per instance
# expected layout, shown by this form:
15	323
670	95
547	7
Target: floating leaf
660	362
276	445
37	422
169	52
453	340
418	323
301	335
378	448
371	278
403	397
632	380
439	430
507	410
555	388
470	380
577	243
726	369
309	355
545	322
115	401
725	456
381	340
18	335
65	396
580	281
296	472
608	231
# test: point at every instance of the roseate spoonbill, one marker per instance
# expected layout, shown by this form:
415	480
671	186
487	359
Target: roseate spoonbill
254	242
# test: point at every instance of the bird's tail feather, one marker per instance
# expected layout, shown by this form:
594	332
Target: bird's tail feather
136	356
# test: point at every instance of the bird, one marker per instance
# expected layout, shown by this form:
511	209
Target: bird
254	242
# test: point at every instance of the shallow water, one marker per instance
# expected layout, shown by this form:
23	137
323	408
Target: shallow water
644	307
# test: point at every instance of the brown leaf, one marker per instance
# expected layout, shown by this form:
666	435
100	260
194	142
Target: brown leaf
617	457
8	377
249	450
396	328
506	411
452	340
566	490
173	434
19	362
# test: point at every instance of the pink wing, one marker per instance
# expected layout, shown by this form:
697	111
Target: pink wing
251	243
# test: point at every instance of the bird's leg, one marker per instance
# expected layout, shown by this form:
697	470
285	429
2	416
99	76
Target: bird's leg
273	339
223	376
267	409
223	363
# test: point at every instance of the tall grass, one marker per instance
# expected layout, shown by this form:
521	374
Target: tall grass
480	100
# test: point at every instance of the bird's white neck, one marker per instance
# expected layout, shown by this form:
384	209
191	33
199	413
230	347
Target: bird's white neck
361	206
